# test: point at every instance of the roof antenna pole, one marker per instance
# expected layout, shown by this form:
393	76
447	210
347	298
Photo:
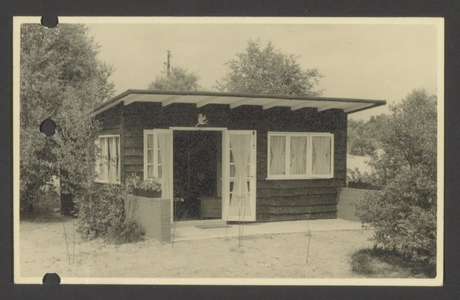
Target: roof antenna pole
168	65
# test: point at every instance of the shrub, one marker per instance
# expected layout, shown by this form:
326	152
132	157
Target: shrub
403	212
102	214
124	232
403	215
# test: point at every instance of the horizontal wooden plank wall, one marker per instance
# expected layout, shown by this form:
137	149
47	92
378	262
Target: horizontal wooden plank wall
111	120
277	200
305	199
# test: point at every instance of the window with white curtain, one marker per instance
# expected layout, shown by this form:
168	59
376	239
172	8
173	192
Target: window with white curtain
300	155
108	166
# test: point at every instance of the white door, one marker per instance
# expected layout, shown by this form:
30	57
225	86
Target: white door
158	151
239	178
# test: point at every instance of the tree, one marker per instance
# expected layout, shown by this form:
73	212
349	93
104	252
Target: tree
403	212
75	149
363	137
61	79
179	79
268	71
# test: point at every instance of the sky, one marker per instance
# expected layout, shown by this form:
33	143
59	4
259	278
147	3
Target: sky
367	61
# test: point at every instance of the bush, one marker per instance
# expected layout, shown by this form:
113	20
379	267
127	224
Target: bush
403	212
403	215
102	214
124	232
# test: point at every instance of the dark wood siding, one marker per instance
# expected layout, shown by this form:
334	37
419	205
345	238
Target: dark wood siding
277	200
111	120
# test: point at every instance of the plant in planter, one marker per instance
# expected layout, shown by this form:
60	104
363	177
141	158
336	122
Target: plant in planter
146	188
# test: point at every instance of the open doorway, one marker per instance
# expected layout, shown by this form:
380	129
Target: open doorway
197	166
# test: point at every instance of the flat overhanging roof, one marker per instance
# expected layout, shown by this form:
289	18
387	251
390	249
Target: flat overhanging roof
234	100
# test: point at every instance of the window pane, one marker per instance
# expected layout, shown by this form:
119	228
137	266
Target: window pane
231	186
149	171
109	148
232	171
149	141
160	172
102	145
117	159
321	155
159	157
298	155
116	145
277	155
111	159
150	156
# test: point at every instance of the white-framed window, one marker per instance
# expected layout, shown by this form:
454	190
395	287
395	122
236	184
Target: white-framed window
300	155
152	160
108	166
156	142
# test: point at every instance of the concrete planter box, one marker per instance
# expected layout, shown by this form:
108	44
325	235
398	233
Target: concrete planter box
153	215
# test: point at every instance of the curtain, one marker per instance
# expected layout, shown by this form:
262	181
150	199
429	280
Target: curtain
165	156
150	171
149	141
104	156
112	159
278	153
321	153
298	155
239	202
117	158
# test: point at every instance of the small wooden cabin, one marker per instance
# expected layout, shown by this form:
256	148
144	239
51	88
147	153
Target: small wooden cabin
231	156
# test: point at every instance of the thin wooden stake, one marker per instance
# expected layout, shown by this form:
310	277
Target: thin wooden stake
226	229
308	246
174	234
239	228
242	229
73	250
66	246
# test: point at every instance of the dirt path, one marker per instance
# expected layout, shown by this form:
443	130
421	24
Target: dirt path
43	249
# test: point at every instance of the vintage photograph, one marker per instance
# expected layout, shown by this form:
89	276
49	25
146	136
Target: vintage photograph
248	151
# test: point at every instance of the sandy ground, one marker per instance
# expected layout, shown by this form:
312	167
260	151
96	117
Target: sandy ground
43	249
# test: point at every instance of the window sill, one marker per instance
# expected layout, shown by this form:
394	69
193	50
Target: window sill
298	178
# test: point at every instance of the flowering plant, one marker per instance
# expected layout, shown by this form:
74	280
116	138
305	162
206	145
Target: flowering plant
151	184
